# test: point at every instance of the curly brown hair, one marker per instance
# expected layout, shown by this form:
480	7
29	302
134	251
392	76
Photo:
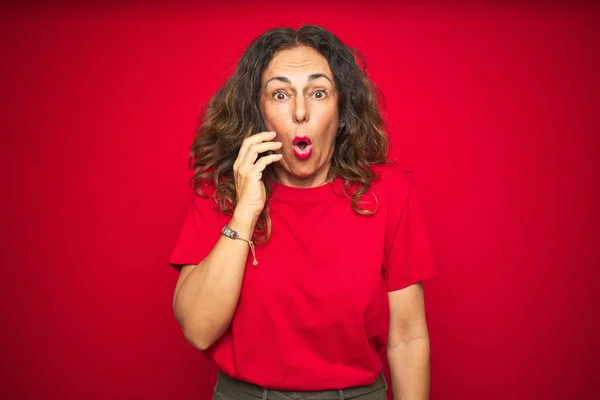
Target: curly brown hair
232	115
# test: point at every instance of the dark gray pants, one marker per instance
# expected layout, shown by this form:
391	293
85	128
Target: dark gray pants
228	388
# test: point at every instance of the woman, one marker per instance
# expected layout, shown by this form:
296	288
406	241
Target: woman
303	253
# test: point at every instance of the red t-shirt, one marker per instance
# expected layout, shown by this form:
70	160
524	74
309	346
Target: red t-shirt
314	314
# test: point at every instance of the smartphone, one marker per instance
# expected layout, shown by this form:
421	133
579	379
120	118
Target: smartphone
262	128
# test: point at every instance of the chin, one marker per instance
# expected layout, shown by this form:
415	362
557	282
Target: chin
303	173
301	169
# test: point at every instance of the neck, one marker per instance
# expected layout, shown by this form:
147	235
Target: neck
319	178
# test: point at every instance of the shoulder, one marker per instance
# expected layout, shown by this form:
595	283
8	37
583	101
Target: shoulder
209	183
204	190
204	194
392	180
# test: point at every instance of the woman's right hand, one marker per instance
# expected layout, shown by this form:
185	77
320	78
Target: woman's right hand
247	172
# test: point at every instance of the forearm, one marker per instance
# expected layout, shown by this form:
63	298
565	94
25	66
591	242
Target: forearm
409	368
206	301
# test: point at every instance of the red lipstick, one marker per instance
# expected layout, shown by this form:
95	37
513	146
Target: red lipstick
302	147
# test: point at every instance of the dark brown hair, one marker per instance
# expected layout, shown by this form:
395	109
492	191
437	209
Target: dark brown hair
233	113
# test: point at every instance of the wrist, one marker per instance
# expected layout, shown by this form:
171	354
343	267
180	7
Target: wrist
243	224
232	234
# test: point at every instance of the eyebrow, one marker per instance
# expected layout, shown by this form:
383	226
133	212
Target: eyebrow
311	77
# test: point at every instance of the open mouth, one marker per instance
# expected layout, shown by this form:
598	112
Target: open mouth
302	147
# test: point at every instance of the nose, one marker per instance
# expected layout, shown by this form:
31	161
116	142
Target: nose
301	112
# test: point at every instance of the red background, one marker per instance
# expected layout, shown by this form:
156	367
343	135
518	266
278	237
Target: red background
494	107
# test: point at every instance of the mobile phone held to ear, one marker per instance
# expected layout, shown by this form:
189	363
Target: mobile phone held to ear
261	123
262	128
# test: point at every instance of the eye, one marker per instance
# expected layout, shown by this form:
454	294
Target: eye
319	94
279	96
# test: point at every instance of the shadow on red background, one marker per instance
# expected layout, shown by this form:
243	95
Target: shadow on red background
495	109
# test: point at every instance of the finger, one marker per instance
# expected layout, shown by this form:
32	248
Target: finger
266	160
243	149
254	150
249	141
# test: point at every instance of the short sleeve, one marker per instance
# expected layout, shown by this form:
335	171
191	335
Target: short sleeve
200	232
408	256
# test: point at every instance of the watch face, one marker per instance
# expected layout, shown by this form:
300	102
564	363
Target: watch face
229	232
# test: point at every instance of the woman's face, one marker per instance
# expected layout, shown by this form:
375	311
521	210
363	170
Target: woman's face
299	101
